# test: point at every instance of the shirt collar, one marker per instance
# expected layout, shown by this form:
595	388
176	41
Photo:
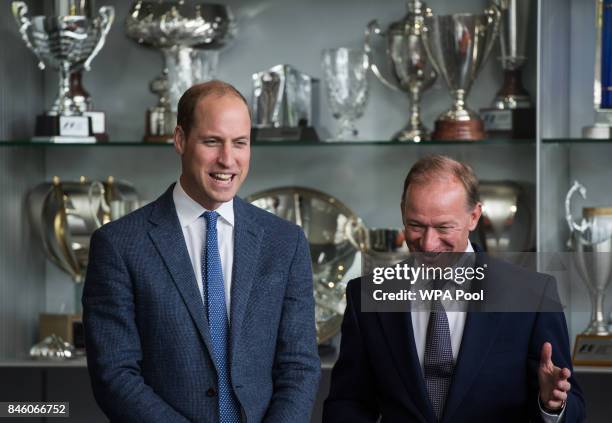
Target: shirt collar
188	210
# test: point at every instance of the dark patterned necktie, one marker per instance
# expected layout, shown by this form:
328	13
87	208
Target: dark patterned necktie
229	410
438	360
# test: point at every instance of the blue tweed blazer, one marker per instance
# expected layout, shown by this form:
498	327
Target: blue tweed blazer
147	336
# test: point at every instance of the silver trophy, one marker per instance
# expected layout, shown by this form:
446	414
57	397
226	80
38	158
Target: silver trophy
282	104
512	112
190	36
591	241
65	214
499	230
458	46
411	66
346	71
380	247
68	43
327	224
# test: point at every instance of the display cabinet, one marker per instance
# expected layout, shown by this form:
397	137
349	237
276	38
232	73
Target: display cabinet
365	175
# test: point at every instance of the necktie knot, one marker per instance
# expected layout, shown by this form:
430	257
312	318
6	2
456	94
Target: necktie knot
211	218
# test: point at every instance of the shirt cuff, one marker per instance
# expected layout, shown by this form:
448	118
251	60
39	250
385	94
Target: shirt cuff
548	417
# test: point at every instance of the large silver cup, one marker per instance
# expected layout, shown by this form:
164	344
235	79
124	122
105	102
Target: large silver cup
412	70
513	42
327	224
65	42
190	37
458	45
591	241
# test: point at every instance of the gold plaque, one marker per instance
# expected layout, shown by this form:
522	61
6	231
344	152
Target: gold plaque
593	350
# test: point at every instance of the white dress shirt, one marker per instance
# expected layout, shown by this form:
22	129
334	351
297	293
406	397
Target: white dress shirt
193	224
456	324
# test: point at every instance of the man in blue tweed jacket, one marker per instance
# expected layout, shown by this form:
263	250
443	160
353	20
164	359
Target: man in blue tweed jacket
199	307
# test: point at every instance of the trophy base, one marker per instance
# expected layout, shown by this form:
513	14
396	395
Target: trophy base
509	123
459	130
412	135
98	125
300	133
597	131
593	350
64	129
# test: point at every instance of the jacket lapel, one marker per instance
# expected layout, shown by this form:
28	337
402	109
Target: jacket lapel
400	338
167	236
247	243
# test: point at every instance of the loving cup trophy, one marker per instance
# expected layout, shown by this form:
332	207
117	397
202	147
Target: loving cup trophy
412	69
591	242
66	42
458	46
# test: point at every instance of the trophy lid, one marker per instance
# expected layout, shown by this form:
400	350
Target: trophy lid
596	211
413	21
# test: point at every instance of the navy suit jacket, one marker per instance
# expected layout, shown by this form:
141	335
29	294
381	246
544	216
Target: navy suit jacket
495	379
147	336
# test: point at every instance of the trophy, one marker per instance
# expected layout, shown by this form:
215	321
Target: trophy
346	72
65	214
512	113
498	231
591	241
457	46
282	105
602	89
328	225
411	66
67	42
380	247
190	37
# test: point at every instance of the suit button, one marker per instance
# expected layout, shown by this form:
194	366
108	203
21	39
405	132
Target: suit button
211	392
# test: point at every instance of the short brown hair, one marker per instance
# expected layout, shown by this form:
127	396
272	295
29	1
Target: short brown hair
437	165
190	99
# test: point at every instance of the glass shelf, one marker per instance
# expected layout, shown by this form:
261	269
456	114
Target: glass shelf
576	141
21	143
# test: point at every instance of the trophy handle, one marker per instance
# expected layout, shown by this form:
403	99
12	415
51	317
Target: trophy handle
573	226
374	28
107	15
103	204
494	15
20	10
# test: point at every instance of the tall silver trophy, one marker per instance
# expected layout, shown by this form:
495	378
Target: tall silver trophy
512	113
67	41
190	36
412	69
458	45
346	81
591	241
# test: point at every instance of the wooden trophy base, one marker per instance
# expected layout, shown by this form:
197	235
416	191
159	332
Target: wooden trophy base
459	130
593	350
511	123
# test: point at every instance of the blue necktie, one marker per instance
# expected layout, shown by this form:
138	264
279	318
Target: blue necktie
229	411
438	362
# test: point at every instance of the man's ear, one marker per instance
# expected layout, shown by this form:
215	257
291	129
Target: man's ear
475	216
179	140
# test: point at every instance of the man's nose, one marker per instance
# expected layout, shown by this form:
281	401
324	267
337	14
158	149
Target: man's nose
226	155
429	240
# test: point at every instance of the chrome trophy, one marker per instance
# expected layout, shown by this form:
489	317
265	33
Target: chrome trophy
327	224
68	43
591	241
412	69
458	45
190	36
346	79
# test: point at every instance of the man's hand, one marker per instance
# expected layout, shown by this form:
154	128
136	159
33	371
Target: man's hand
554	385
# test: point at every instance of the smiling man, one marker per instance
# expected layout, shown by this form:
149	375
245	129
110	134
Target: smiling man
453	366
199	306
